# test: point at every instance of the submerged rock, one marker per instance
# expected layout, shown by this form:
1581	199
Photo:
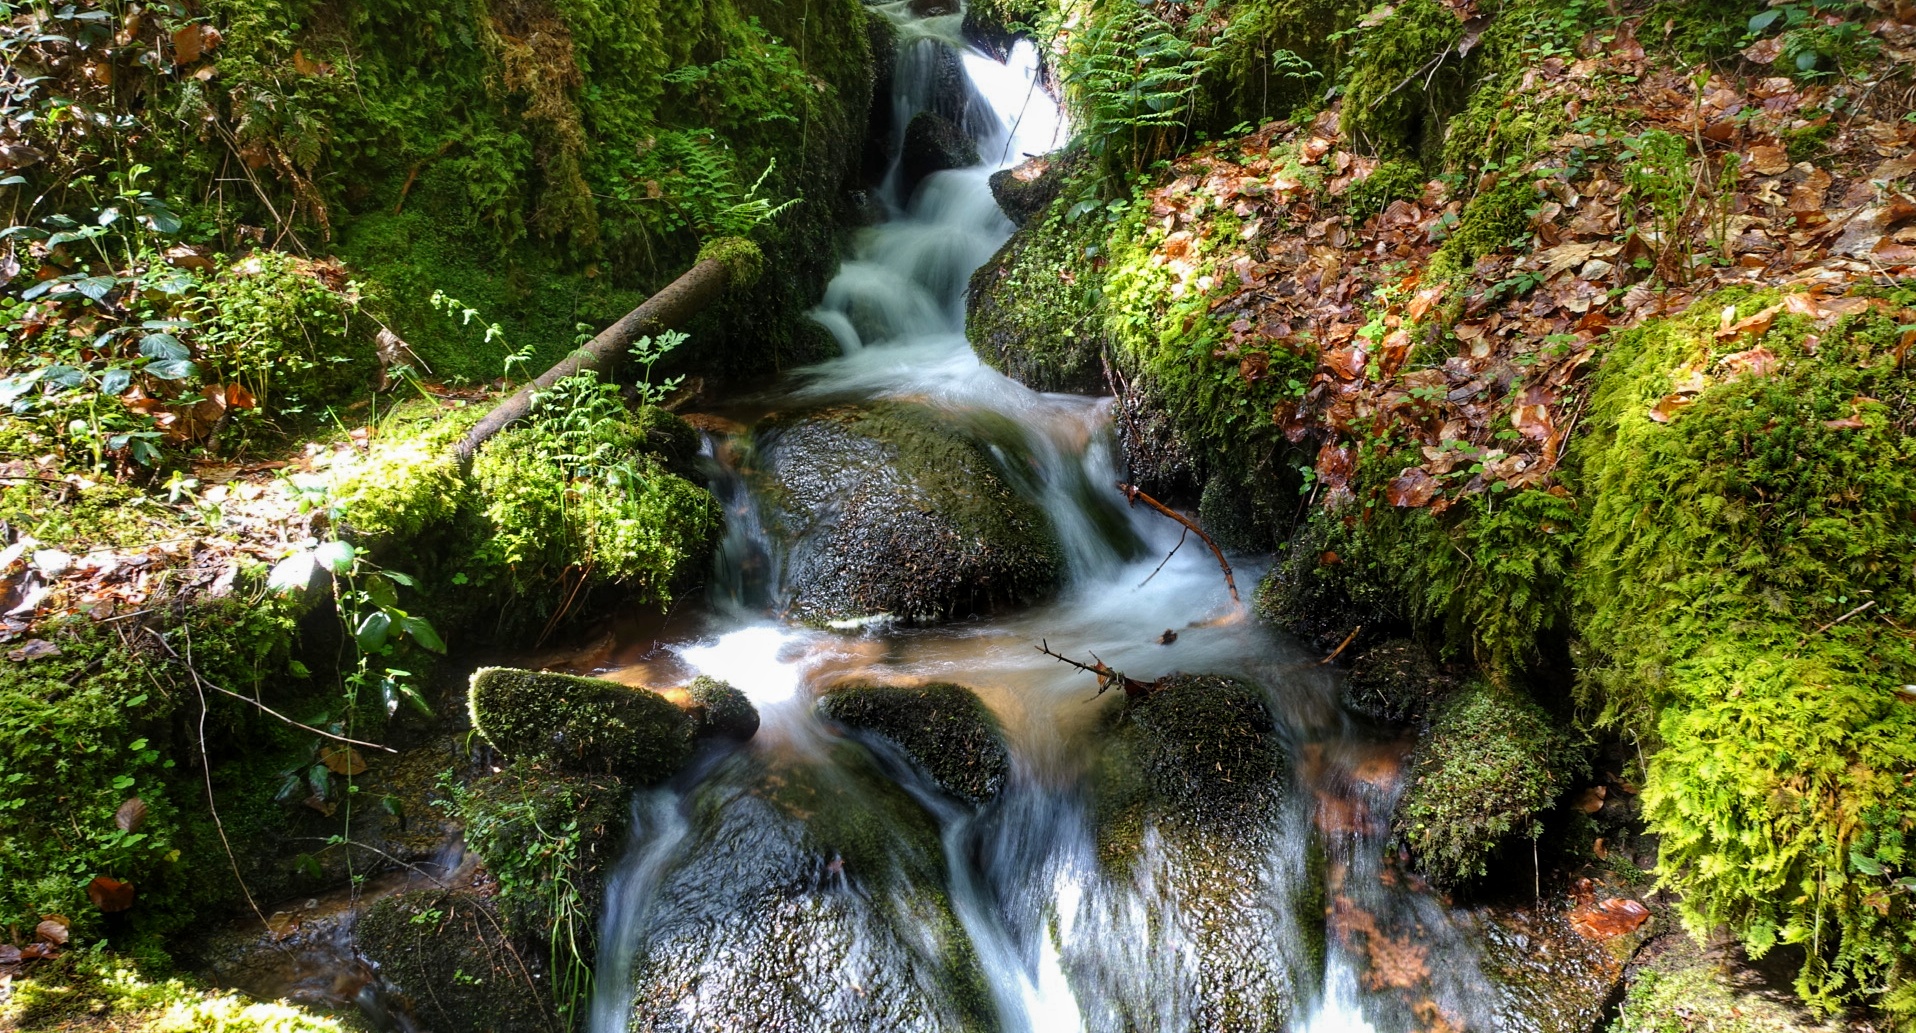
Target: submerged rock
944	728
885	510
1547	977
1187	798
598	727
934	143
1396	682
810	897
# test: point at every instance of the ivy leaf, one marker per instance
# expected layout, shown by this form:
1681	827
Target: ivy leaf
171	369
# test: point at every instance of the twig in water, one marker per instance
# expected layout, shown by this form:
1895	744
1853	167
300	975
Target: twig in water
1348	639
1133	688
1134	495
1182	535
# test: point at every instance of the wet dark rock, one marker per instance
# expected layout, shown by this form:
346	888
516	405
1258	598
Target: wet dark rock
1187	795
1025	190
447	960
934	143
888	510
810	898
1397	682
1546	977
582	724
944	728
1160	460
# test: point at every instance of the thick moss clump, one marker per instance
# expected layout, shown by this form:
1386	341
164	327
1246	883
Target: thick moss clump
581	724
945	728
1744	511
1683	990
1396	681
887	509
1032	311
1489	767
721	711
448	954
807	897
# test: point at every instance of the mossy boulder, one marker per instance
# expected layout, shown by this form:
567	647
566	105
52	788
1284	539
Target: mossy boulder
583	725
1492	763
1396	682
807	896
1032	310
720	710
934	143
447	956
1026	190
1187	794
888	510
942	727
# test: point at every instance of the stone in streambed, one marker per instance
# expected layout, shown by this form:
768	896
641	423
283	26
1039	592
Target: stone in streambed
1396	682
887	510
1187	797
944	728
600	727
446	956
934	143
809	896
1025	190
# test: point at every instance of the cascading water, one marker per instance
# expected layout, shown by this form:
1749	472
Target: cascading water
814	838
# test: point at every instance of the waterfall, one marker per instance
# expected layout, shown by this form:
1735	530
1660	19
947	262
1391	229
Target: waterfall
1062	944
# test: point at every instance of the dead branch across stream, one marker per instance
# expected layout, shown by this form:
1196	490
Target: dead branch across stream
1107	677
1135	495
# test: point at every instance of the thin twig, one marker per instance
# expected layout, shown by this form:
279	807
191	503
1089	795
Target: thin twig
206	769
1133	688
1348	639
1135	495
1838	620
1182	535
197	679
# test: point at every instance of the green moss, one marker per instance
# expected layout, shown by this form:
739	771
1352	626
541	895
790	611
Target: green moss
1489	767
739	256
581	724
101	723
107	514
91	990
1811	141
722	711
400	490
1699	30
1032	312
1724	548
1495	220
1394	180
449	955
1684	991
1198	750
1399	85
1276	56
945	728
293	342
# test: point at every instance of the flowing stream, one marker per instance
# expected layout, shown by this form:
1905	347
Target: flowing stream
1057	942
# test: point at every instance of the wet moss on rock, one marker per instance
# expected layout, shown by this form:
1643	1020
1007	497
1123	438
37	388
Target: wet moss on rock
1398	682
1492	763
888	509
581	724
1032	312
944	727
720	710
448	955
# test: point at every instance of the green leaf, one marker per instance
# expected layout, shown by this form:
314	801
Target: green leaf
382	592
163	346
336	556
171	369
404	579
373	631
291	574
1864	863
115	381
422	632
97	287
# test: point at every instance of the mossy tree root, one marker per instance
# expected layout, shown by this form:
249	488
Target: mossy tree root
718	269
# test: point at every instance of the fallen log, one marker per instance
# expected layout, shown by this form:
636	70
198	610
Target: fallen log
723	264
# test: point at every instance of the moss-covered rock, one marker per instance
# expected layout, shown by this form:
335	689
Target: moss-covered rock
447	955
722	711
1685	989
1032	310
809	897
1026	190
943	727
1186	792
887	509
1483	775
581	724
1396	681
